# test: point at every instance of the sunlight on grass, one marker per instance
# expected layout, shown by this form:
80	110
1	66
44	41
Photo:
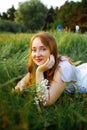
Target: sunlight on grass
18	111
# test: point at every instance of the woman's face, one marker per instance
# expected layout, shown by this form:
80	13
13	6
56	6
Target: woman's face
40	53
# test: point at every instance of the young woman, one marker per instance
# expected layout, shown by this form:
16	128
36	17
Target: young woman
51	72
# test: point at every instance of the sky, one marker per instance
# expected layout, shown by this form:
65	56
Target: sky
6	4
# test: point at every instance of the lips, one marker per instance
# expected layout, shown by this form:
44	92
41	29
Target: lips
39	60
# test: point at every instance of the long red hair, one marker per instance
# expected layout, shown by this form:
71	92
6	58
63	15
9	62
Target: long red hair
49	41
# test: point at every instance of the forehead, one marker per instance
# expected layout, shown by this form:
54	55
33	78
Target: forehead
37	42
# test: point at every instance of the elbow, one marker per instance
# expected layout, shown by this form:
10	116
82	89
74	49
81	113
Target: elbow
50	102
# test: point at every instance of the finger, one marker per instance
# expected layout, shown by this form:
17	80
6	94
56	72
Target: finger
52	60
47	62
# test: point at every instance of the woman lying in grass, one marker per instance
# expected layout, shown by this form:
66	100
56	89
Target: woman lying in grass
50	72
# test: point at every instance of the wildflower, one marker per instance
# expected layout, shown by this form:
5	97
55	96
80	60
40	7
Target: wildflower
42	92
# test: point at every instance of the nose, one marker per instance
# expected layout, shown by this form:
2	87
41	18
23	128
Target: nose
38	53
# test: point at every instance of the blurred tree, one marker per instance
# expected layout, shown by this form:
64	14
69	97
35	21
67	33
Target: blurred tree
36	16
83	16
50	18
61	14
84	2
10	13
32	14
0	16
71	14
4	16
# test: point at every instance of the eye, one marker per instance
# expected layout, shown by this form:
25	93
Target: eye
33	50
44	48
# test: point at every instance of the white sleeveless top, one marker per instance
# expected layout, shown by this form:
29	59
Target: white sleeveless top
72	73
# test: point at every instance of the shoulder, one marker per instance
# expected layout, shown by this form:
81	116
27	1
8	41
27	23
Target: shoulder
64	63
67	70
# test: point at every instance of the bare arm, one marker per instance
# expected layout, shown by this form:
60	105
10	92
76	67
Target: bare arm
56	86
23	82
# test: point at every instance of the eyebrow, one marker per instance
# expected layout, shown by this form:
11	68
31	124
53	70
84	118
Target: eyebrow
40	46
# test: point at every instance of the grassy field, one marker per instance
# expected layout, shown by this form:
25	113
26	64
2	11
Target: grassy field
18	111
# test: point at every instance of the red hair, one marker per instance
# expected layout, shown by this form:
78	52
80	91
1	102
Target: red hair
48	41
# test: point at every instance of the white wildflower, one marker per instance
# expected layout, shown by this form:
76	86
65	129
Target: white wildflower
42	92
36	101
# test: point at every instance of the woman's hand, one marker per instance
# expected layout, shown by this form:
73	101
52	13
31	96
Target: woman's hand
18	88
24	82
47	65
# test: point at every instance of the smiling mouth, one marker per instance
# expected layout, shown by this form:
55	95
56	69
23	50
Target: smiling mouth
39	60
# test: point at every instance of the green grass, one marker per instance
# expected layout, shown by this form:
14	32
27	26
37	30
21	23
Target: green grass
18	111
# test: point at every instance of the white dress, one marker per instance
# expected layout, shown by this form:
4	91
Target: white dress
78	74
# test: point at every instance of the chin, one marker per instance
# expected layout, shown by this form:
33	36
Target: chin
41	63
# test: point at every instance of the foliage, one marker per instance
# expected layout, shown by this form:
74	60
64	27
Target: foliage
8	26
17	110
32	14
9	15
72	44
36	16
69	15
51	14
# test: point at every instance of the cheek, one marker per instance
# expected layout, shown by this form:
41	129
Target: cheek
47	55
32	55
